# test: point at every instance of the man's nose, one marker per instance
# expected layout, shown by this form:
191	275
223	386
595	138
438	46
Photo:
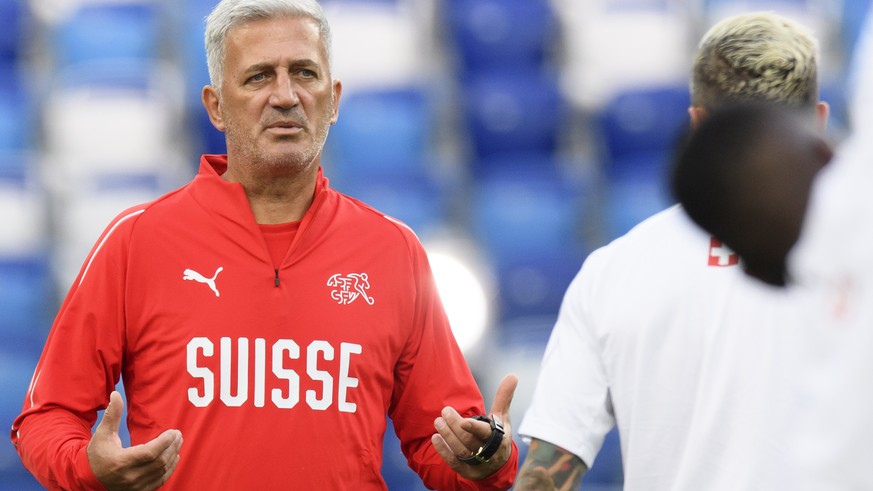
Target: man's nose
284	92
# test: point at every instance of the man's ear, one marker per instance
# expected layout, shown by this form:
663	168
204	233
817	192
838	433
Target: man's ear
212	103
696	114
337	92
822	112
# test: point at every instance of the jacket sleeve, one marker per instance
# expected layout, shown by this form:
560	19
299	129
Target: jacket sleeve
79	367
431	374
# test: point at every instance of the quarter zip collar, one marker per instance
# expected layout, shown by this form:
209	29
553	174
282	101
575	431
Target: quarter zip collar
228	202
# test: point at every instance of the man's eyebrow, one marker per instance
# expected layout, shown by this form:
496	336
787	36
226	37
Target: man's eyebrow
260	67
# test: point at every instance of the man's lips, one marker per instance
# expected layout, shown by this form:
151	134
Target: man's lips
285	127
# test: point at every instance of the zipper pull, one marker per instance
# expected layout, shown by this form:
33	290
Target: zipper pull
277	277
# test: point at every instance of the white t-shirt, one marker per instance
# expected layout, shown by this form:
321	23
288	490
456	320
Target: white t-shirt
688	357
833	263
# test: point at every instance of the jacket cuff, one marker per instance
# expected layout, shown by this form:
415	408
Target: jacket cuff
504	477
84	472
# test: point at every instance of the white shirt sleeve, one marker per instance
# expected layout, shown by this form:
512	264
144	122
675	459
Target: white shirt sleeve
571	405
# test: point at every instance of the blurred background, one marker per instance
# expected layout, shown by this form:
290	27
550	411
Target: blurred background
514	136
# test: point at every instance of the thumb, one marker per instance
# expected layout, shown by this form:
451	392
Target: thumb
503	396
112	414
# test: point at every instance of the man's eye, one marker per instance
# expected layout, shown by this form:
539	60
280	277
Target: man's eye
257	78
308	73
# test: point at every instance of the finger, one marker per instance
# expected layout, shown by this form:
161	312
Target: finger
112	415
156	453
449	437
503	397
163	446
172	451
171	467
442	448
469	430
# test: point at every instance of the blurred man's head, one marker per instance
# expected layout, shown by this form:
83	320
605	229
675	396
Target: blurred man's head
756	58
745	175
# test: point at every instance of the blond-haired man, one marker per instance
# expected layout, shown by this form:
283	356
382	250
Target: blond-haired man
820	223
661	334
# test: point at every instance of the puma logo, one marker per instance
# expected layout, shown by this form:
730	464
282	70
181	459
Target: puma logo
190	274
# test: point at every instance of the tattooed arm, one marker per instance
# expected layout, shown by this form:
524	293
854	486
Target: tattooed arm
549	468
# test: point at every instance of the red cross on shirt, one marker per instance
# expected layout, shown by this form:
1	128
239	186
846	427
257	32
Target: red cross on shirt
721	255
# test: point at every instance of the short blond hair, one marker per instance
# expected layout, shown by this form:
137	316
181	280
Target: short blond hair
756	57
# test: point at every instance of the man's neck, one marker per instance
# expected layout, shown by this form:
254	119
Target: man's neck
276	197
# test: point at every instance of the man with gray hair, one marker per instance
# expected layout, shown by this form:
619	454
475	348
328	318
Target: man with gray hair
661	334
270	320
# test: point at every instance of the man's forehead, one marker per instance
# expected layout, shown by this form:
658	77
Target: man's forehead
283	40
276	29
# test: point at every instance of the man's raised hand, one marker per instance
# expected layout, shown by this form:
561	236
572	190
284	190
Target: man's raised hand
140	467
462	437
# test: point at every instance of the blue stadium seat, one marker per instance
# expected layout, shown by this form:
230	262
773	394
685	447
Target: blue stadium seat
191	27
419	200
16	113
643	121
509	112
852	18
208	138
525	204
395	469
710	5
28	302
527	217
14	16
607	471
16	370
632	197
500	34
110	31
531	286
382	131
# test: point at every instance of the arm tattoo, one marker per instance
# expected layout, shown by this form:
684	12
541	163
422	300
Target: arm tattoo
550	468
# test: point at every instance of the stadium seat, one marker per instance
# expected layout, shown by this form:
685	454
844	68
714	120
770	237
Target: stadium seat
82	213
610	46
511	112
108	31
531	286
23	208
527	204
16	370
16	113
632	196
527	218
852	17
383	131
607	472
645	120
419	200
394	38
191	26
28	300
102	115
395	469
14	17
489	35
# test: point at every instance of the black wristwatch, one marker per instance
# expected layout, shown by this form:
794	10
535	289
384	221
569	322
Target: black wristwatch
490	447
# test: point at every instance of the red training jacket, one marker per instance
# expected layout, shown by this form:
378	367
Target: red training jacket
277	379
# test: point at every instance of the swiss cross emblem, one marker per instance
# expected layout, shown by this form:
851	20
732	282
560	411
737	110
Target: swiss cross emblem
721	255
